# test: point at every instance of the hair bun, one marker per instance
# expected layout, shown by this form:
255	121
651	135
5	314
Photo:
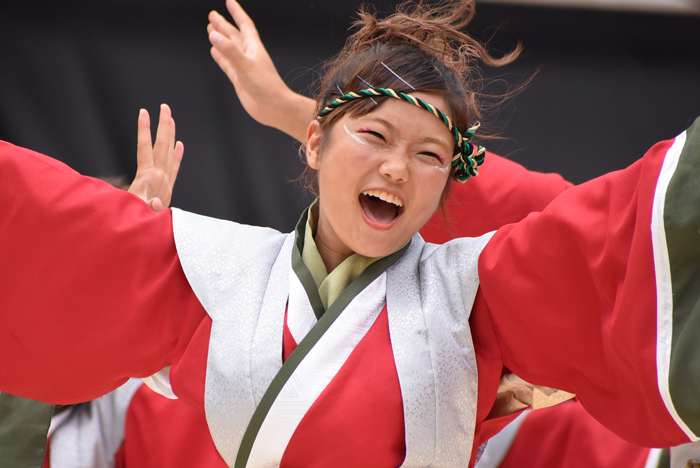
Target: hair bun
435	29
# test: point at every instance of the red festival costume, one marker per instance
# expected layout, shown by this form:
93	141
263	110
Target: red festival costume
93	293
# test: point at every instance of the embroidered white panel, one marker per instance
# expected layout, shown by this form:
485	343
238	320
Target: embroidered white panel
317	369
300	314
92	433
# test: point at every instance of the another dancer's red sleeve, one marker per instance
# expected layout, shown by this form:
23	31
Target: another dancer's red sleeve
504	193
91	287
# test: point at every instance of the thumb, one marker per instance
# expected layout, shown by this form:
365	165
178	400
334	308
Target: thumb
156	204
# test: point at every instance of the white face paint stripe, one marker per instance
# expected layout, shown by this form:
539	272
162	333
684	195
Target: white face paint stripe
314	373
664	292
355	137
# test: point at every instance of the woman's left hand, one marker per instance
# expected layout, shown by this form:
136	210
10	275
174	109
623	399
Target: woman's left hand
157	164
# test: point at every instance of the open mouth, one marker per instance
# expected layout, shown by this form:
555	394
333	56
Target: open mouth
380	207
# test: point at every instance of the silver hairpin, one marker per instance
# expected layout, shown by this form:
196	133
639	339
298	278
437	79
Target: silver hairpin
397	76
367	84
339	90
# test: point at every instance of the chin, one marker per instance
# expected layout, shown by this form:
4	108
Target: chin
379	249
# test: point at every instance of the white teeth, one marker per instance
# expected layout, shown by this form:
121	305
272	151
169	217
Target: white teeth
387	197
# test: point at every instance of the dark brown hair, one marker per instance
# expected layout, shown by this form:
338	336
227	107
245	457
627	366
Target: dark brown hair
425	46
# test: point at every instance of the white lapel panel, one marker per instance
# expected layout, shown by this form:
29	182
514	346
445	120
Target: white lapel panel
266	348
315	372
430	293
300	314
232	268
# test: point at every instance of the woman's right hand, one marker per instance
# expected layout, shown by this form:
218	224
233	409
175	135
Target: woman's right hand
159	163
241	55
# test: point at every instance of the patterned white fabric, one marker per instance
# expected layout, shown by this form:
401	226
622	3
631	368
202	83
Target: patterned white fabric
91	434
682	453
300	313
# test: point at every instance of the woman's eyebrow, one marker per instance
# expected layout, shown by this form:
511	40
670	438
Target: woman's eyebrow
382	121
429	139
392	127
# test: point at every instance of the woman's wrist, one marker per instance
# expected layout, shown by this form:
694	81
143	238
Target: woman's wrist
293	115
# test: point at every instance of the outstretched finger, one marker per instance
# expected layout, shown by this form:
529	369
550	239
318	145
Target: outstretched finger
227	48
171	152
223	26
165	138
144	148
178	153
223	62
240	17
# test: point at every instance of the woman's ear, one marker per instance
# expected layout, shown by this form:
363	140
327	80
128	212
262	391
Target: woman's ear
314	135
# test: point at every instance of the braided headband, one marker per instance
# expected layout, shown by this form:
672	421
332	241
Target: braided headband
468	158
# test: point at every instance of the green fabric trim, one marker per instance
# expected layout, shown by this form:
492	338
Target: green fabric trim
310	255
682	227
307	344
302	271
329	285
664	459
24	428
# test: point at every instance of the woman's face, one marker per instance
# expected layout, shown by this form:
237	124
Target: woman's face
381	176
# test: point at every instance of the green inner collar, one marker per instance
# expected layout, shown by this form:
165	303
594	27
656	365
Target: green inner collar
329	285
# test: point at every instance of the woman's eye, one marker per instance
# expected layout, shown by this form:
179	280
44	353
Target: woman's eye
373	133
434	155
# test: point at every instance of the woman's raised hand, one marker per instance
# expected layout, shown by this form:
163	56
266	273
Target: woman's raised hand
241	55
157	164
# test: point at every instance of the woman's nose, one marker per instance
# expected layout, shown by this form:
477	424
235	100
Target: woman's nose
395	166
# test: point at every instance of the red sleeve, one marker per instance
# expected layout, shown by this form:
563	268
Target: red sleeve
166	433
572	294
566	436
504	193
91	287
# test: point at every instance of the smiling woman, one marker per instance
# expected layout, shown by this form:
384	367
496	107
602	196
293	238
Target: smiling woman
377	179
352	342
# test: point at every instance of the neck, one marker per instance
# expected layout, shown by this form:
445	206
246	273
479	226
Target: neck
332	251
331	257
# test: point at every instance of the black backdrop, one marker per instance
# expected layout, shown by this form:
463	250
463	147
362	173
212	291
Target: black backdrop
73	75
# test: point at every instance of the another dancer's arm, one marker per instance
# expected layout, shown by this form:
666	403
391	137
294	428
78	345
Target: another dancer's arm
242	56
599	295
92	289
